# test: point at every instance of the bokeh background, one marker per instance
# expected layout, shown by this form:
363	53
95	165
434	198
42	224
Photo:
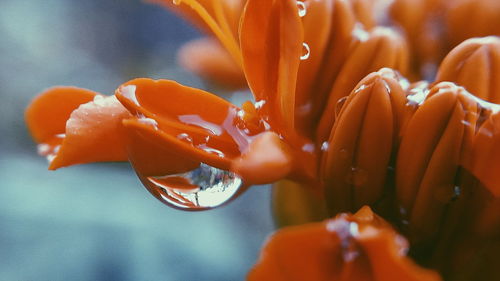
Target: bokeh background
96	222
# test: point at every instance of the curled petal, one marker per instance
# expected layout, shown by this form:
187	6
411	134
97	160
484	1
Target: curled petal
348	247
93	131
354	166
267	159
475	65
429	158
382	48
208	59
47	114
271	38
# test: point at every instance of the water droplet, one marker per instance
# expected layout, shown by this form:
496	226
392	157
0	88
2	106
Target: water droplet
196	120
339	105
129	93
457	191
306	51
324	146
185	137
308	147
149	121
203	188
302	8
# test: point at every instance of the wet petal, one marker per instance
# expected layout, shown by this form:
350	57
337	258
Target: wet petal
208	59
348	247
317	29
354	166
47	114
429	157
382	48
188	121
475	65
92	130
266	160
94	133
271	38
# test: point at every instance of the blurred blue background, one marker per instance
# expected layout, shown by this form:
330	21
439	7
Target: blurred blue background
96	222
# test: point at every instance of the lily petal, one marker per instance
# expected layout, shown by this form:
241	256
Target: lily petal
93	132
348	248
429	158
360	145
271	38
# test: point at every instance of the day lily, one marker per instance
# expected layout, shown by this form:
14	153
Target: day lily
335	120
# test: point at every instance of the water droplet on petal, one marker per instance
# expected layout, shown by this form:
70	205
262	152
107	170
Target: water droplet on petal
203	188
339	105
302	8
324	146
306	51
149	121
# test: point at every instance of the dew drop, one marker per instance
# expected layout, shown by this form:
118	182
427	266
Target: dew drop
306	51
339	105
149	121
302	8
324	146
203	188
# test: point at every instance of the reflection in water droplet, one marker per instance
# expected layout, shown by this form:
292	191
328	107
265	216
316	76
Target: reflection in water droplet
203	188
306	51
302	8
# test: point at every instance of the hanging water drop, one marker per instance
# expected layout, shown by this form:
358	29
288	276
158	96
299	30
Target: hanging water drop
200	189
306	51
302	8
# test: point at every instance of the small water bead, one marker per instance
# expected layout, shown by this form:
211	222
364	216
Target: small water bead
306	51
203	188
149	121
302	8
324	146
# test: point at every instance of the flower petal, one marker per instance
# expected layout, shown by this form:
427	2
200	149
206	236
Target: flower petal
208	59
271	38
382	48
429	157
187	121
474	65
348	247
93	132
355	164
47	114
266	160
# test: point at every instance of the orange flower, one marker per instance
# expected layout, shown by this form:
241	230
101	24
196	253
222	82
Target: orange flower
349	247
333	114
